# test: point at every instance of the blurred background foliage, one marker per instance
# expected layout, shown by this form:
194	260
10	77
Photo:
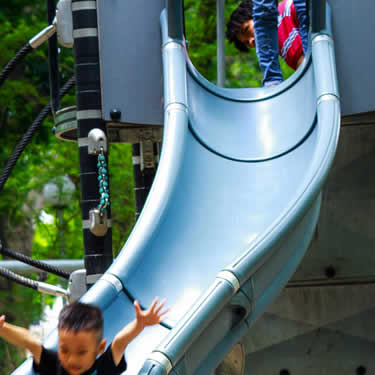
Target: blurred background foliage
24	94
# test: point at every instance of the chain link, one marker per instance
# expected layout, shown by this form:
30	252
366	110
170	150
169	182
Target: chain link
103	183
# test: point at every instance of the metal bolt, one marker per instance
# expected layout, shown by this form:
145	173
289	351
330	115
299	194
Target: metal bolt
361	370
284	372
115	114
330	272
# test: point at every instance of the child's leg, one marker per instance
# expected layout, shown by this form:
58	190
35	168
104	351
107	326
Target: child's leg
265	16
300	6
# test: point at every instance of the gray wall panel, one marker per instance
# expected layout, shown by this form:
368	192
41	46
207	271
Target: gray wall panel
353	32
130	58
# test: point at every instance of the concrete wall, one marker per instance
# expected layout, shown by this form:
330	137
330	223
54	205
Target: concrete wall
324	322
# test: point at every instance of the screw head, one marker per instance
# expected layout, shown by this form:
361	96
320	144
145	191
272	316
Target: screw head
330	272
115	114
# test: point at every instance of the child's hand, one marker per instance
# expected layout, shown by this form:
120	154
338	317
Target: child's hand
153	315
2	320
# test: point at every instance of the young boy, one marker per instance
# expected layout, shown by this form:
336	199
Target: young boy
80	329
252	24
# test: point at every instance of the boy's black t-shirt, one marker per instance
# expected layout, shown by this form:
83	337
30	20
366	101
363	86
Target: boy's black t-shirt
50	365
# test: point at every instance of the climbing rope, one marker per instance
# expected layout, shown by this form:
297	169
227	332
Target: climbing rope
29	283
33	43
29	134
14	62
33	262
33	284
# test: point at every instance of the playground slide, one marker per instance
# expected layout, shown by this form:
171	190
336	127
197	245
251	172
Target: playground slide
230	214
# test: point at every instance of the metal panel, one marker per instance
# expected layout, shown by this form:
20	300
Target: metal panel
130	59
353	30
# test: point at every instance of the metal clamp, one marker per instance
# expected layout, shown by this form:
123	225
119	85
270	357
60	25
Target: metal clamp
52	290
98	222
64	19
97	141
162	360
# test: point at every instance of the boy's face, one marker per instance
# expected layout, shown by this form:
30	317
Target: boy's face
246	33
77	351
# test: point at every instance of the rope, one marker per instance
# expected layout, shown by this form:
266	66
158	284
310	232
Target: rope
33	262
14	62
18	279
29	134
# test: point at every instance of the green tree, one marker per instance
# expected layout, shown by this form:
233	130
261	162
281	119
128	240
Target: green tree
22	96
242	69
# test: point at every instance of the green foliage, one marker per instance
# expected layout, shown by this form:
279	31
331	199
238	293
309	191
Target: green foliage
22	97
242	69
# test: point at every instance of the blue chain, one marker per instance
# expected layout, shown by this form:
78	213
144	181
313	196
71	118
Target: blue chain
103	182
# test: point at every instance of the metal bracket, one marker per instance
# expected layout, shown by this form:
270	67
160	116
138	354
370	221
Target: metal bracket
98	222
162	360
147	155
64	22
148	159
52	290
77	285
97	140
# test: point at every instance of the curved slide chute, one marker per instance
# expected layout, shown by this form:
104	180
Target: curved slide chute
231	212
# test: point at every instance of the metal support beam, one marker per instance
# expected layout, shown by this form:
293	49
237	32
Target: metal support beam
220	36
68	265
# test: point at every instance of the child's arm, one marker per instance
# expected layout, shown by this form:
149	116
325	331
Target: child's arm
21	337
153	315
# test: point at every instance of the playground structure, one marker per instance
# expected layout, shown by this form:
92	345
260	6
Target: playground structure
234	204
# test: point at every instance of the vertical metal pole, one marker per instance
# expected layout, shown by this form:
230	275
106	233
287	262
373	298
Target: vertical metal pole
98	249
142	179
220	35
53	60
175	19
138	180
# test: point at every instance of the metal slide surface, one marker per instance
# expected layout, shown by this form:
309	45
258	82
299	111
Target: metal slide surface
231	212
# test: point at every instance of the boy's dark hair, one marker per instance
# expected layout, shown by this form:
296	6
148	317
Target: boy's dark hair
243	13
80	316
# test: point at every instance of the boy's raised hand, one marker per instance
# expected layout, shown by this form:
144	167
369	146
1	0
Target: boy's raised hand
153	315
2	320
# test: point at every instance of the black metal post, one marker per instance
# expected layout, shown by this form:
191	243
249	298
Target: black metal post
53	60
318	15
175	19
98	249
142	179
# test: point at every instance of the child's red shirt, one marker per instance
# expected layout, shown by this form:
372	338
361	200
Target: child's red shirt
290	43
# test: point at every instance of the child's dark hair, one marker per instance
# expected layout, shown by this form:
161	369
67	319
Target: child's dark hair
80	316
243	13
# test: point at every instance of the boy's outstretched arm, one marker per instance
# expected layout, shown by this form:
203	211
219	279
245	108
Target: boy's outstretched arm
143	318
21	337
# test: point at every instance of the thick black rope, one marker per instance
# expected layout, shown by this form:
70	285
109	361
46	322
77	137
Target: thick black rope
29	283
29	134
33	262
14	62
